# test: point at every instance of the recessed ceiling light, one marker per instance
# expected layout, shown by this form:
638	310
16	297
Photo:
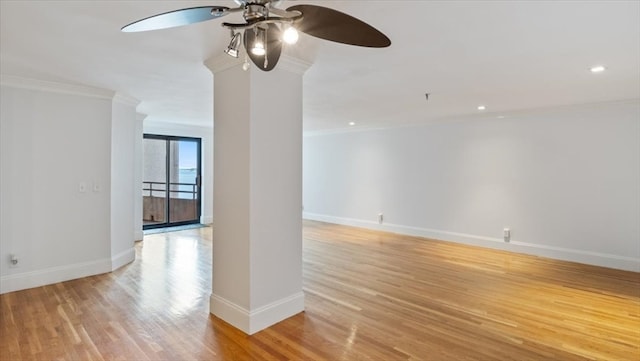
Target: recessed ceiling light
598	69
500	116
481	107
352	123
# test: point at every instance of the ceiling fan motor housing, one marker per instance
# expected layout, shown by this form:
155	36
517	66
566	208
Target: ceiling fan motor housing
250	2
254	12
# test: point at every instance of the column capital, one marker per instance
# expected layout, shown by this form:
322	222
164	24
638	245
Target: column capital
222	62
293	64
126	100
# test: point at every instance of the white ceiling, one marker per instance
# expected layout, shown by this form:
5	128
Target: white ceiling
509	55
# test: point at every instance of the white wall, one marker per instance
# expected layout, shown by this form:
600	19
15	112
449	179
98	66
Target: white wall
566	181
55	180
123	164
137	179
206	134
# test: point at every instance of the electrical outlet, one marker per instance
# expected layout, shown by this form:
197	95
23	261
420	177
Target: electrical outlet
82	187
507	235
13	261
380	218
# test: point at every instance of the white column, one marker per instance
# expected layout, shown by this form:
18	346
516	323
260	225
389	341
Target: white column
137	175
257	226
122	189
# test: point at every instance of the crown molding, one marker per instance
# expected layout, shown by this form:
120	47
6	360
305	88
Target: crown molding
55	87
508	115
126	100
222	62
160	126
293	65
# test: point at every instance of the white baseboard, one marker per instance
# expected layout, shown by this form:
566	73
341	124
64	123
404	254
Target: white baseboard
138	235
258	319
47	276
565	254
123	258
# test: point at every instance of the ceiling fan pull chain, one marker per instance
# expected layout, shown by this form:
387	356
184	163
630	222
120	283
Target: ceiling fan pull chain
266	53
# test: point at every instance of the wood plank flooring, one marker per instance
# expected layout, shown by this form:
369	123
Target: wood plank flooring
369	296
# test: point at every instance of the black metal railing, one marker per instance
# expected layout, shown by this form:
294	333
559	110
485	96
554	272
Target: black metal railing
149	186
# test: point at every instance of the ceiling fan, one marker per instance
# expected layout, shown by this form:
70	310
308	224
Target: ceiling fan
266	26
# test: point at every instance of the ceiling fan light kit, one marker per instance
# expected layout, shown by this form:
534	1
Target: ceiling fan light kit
290	35
266	27
234	46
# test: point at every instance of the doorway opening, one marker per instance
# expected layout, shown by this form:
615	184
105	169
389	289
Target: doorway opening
171	186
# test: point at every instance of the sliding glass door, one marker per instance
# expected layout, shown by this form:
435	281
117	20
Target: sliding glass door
171	181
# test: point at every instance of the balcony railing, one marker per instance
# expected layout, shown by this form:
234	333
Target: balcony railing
157	187
181	205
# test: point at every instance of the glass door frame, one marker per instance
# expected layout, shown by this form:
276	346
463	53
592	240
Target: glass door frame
168	139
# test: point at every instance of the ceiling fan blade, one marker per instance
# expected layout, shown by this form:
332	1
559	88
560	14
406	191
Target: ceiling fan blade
329	24
273	47
177	18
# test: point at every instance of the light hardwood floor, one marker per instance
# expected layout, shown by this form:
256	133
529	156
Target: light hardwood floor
369	296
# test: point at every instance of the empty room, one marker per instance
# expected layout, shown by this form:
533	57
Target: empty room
319	180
